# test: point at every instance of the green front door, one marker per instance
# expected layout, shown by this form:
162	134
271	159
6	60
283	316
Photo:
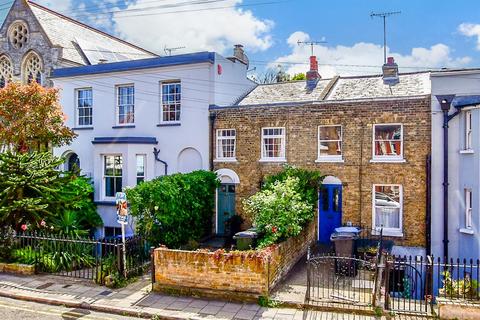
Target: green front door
225	206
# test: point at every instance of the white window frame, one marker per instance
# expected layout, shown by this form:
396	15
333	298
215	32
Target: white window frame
330	158
468	130
137	176
117	104
104	176
388	158
283	136
468	209
77	107
220	138
177	103
393	232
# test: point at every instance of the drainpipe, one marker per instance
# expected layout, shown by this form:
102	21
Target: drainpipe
156	153
213	117
445	104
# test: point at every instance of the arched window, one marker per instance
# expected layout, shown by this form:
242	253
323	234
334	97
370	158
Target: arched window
6	71
73	162
32	68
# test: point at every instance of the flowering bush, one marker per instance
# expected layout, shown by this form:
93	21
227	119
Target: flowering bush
278	211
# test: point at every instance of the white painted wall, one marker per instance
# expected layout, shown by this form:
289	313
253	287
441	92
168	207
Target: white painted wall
464	169
184	148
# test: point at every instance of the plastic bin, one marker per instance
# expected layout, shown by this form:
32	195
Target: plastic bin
344	242
246	240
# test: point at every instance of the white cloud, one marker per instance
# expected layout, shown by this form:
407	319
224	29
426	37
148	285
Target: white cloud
352	60
470	30
214	29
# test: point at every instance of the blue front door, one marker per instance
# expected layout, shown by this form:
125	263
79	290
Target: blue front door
329	211
225	206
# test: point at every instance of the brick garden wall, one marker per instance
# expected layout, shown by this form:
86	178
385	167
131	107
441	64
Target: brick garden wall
357	172
236	275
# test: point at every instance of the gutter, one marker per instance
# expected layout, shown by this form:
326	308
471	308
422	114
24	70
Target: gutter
156	153
213	118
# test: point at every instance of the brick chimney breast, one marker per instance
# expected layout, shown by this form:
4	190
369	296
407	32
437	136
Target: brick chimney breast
312	75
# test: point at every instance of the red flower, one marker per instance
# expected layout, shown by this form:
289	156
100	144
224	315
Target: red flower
274	229
24	227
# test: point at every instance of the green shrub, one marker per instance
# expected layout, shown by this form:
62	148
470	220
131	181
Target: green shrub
308	182
7	243
278	211
172	210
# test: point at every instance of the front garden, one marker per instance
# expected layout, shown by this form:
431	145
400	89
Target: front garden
175	212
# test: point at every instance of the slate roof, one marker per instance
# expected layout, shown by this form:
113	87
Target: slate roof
82	43
338	89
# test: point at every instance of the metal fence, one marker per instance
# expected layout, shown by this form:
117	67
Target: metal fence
86	258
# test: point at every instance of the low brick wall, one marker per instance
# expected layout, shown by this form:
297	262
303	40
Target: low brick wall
450	311
15	268
229	275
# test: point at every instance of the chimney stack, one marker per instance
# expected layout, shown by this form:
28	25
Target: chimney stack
390	72
239	54
312	75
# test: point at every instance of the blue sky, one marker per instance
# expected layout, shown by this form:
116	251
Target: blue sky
427	33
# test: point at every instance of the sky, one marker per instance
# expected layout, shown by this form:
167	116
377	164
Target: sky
426	34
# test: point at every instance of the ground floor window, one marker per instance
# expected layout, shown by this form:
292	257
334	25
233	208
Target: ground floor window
140	168
112	175
111	232
468	208
387	208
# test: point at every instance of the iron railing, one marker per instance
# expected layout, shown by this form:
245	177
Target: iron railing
86	258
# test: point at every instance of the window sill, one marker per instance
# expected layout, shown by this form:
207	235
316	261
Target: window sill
389	233
379	160
82	128
130	126
467	151
273	160
337	160
225	160
106	203
466	231
166	124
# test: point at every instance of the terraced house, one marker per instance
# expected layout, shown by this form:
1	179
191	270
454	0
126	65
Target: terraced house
370	138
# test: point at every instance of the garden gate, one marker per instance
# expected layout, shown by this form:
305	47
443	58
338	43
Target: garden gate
340	280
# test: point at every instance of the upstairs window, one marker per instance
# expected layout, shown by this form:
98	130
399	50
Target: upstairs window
84	107
126	105
387	209
330	143
32	68
273	144
112	175
226	140
6	71
468	130
388	142
171	101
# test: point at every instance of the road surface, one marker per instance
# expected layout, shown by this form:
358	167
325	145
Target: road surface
22	310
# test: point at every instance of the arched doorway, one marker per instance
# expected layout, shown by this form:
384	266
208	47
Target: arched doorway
329	208
225	200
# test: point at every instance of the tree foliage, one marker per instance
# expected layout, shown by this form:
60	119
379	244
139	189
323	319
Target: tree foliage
308	181
172	210
33	192
273	75
299	76
31	118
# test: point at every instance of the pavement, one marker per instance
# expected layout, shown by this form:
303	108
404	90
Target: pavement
137	300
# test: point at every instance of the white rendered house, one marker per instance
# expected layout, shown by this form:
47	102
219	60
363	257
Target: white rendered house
137	120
